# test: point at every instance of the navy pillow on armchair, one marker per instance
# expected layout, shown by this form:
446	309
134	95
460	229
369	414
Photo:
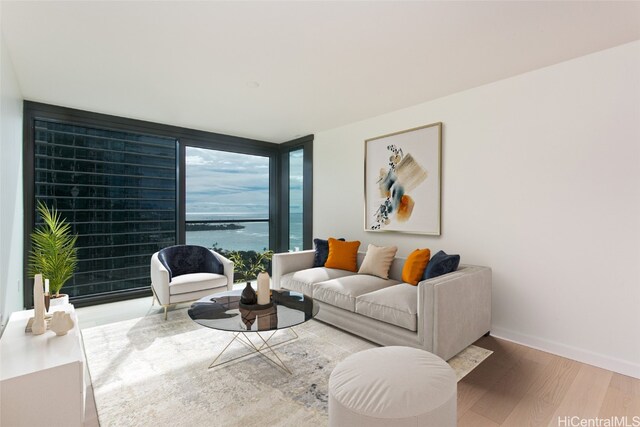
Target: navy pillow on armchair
322	252
440	264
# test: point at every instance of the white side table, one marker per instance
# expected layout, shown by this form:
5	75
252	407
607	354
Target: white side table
41	376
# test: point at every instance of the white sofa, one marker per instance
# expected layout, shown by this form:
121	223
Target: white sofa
442	315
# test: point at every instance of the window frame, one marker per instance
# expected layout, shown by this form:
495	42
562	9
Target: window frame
306	144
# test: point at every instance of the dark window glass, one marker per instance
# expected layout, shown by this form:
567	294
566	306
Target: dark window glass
118	191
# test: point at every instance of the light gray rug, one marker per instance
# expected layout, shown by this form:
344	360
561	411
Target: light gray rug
147	371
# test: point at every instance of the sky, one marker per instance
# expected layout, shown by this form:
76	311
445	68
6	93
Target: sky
232	183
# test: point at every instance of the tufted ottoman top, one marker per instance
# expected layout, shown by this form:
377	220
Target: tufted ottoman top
392	382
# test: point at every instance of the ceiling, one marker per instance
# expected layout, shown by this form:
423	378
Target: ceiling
278	70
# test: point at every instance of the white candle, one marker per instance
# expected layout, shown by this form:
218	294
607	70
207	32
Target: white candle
263	288
46	286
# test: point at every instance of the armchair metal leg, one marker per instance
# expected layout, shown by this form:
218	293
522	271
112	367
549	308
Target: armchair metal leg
153	302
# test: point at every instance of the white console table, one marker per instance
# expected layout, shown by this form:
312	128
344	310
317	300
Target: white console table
41	376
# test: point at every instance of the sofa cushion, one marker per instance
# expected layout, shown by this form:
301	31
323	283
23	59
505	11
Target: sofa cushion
196	282
414	266
303	280
378	260
397	305
440	264
342	292
343	255
321	252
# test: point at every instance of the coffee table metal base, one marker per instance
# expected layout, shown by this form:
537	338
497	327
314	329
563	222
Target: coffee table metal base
263	348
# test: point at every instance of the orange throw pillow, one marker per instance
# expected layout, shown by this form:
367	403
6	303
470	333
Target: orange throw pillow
414	266
343	255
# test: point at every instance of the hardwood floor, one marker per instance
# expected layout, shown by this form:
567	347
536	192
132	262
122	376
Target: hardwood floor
520	386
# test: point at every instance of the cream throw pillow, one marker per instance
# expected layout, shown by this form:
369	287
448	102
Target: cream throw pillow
378	260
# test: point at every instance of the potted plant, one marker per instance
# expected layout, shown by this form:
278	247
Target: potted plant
248	266
53	252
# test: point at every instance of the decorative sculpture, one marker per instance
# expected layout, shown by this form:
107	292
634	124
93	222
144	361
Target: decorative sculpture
61	323
39	324
264	293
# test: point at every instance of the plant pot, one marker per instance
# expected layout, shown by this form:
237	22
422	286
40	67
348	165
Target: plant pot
61	300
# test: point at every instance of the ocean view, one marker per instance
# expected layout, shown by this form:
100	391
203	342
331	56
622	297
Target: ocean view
253	237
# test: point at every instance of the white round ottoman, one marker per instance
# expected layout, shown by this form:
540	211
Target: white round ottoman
392	386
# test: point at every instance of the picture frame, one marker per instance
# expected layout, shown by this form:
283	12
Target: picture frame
402	177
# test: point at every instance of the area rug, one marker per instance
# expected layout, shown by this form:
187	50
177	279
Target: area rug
150	371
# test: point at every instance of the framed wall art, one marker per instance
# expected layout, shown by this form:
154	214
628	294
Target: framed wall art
402	181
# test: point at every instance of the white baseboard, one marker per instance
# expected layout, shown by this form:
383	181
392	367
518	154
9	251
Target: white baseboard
620	366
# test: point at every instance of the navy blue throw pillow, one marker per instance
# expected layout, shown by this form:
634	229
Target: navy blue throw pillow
322	252
440	264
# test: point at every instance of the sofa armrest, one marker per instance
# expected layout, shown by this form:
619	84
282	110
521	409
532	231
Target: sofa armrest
228	267
460	304
159	280
288	262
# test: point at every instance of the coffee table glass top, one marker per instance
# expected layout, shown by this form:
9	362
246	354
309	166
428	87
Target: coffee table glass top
224	311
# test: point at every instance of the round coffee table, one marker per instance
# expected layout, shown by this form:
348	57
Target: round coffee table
224	312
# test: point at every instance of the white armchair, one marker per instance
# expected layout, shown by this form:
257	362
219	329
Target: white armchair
186	273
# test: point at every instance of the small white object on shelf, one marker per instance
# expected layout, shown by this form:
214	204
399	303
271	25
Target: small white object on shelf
61	323
264	292
39	326
46	286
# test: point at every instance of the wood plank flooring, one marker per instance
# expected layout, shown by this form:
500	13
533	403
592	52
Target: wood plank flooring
520	386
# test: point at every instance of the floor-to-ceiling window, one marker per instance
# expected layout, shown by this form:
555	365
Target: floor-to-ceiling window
227	200
130	188
296	192
117	190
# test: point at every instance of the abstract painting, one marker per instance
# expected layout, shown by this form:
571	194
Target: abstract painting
402	181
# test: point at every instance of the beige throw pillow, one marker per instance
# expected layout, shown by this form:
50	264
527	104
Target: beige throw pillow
378	260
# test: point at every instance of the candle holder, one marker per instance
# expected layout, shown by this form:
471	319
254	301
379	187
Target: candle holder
47	302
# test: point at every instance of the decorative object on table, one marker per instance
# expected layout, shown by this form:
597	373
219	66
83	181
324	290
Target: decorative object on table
248	266
47	296
53	252
29	328
61	323
402	181
248	295
39	325
264	288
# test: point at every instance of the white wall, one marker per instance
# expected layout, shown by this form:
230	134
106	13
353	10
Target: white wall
11	213
541	182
